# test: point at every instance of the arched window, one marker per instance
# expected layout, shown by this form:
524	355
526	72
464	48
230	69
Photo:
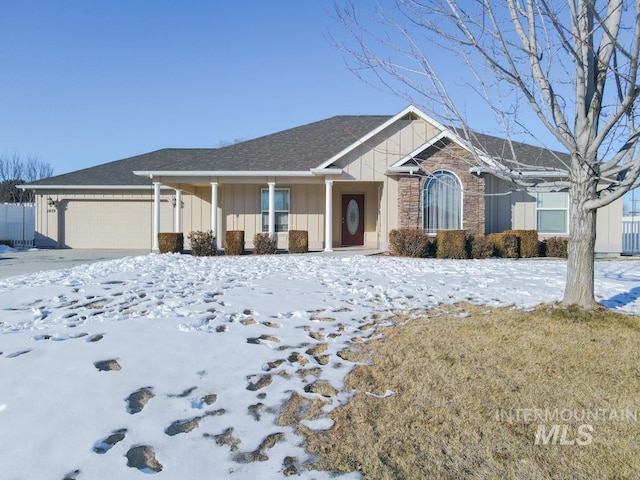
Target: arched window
442	202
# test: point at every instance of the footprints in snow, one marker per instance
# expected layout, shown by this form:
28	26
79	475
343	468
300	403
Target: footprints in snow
143	457
103	446
55	338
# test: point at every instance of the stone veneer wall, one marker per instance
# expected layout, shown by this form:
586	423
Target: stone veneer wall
455	159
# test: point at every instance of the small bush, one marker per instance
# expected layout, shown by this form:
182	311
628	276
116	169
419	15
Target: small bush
234	242
298	241
264	245
557	247
409	242
203	244
169	242
451	244
480	247
510	245
505	245
528	242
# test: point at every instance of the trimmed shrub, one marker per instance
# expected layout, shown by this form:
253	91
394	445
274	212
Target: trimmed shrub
528	242
557	247
506	245
234	242
510	245
451	244
264	245
169	242
480	247
409	242
203	244
298	241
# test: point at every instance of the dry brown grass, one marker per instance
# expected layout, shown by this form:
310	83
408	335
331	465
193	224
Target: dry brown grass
457	376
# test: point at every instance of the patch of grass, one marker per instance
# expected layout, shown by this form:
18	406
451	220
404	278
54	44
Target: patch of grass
459	380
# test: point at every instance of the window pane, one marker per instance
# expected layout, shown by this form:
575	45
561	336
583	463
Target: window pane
281	210
282	222
281	198
442	201
553	200
552	221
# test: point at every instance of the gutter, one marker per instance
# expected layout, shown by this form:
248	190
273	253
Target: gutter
523	174
224	173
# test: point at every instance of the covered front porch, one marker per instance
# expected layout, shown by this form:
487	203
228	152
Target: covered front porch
334	212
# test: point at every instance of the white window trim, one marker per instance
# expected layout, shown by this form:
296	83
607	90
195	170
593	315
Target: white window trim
422	206
565	209
262	212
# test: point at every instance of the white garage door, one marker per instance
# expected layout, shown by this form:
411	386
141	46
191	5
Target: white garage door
107	224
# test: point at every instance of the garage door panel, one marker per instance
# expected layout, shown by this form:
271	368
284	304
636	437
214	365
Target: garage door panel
107	224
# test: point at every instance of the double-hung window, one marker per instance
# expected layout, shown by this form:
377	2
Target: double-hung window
553	212
281	200
442	202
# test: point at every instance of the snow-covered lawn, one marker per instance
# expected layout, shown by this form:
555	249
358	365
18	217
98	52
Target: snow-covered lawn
193	357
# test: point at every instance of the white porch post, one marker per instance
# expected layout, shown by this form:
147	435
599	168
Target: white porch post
156	216
214	211
178	218
272	209
328	216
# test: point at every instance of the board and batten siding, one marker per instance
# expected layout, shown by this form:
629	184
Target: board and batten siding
368	163
608	221
105	219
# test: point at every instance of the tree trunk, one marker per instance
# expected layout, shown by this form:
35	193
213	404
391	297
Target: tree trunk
581	249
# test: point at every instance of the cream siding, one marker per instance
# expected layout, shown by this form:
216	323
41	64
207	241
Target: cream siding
608	222
609	228
107	219
368	164
497	205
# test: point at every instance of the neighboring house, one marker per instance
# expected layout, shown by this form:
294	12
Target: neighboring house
347	180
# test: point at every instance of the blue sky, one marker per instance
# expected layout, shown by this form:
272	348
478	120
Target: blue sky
86	82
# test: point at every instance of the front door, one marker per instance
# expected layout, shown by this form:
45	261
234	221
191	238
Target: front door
352	219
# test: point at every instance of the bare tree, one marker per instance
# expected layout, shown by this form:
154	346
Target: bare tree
573	63
16	170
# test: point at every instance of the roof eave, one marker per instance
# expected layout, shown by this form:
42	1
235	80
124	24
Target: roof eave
326	171
224	173
85	187
401	170
524	173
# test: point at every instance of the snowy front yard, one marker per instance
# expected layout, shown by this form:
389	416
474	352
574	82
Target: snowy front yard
178	366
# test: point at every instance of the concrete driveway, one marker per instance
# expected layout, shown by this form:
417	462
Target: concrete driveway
23	262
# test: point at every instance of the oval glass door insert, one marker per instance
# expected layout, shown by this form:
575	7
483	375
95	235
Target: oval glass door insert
353	217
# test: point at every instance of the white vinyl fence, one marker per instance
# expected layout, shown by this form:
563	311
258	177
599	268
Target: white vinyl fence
18	224
631	237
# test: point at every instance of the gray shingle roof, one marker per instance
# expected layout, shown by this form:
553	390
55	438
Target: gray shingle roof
296	149
527	157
